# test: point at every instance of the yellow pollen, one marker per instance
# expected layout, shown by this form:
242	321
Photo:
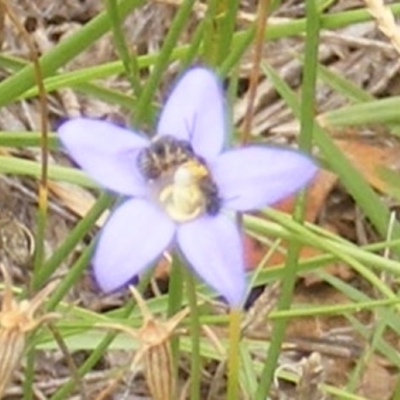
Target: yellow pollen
183	199
196	169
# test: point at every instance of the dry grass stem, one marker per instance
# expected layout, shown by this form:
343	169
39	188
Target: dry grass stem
155	353
12	346
385	21
17	319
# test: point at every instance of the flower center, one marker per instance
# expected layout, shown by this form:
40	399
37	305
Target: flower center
182	182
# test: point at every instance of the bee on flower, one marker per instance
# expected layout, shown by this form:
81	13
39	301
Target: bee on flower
180	186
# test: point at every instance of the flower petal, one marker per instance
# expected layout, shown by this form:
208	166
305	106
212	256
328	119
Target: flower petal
213	247
134	236
253	177
106	152
195	111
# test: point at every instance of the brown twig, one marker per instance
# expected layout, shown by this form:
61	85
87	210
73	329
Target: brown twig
261	23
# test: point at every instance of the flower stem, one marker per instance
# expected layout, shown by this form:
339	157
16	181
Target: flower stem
195	367
174	305
234	354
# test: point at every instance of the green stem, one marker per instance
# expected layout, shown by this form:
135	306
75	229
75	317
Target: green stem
73	275
65	51
175	292
129	60
226	27
234	354
170	42
210	40
29	376
75	236
279	328
195	327
193	50
305	143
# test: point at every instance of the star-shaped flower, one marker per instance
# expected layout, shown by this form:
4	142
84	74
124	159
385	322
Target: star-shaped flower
180	185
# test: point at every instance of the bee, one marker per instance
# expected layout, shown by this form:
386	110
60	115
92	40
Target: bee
210	190
164	154
205	184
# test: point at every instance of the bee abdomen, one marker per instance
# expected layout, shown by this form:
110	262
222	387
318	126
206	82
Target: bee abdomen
210	191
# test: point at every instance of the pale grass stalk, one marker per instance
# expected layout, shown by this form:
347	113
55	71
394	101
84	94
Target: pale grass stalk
385	20
158	371
17	319
12	345
155	351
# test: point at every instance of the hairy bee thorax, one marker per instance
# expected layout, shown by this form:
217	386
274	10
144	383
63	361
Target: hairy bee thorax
182	181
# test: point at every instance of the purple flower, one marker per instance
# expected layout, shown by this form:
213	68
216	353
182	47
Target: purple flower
180	186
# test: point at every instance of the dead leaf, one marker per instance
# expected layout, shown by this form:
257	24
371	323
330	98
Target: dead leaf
369	159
